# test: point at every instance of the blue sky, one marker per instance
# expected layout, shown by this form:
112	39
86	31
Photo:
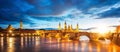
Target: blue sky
36	14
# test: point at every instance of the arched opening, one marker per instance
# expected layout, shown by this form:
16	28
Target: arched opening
84	38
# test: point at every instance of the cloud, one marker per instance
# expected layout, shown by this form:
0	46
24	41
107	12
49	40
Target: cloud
91	28
110	11
71	14
11	11
114	13
113	26
104	8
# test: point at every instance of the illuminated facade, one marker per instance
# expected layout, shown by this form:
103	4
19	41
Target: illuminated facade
65	26
118	29
9	28
21	24
77	28
59	26
68	28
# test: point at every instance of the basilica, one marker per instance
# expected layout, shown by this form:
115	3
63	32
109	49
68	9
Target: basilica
68	28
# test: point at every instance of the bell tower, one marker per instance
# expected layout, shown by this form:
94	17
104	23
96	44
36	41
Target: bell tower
65	26
21	24
59	26
77	28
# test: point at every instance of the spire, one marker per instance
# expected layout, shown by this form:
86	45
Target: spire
77	27
68	27
71	27
59	26
65	26
21	25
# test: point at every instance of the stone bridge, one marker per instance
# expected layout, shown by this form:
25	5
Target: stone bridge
70	35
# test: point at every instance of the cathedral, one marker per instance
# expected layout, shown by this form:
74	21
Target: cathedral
68	28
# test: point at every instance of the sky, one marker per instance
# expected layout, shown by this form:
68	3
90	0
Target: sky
91	15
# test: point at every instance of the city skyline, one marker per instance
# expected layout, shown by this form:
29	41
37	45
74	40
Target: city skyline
59	25
98	15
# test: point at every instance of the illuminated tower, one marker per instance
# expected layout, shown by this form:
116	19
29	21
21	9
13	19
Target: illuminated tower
71	28
118	29
59	26
65	26
68	27
21	25
77	28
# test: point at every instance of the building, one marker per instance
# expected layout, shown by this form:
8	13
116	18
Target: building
68	28
21	24
118	29
11	31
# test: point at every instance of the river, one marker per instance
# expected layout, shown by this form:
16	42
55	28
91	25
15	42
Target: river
37	44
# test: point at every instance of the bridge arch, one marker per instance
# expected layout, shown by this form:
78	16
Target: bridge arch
84	38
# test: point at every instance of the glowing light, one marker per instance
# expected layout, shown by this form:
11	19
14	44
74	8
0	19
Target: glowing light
10	44
2	42
58	39
21	34
10	31
1	34
50	39
37	31
83	44
68	39
22	42
98	48
102	30
90	47
37	41
114	48
13	34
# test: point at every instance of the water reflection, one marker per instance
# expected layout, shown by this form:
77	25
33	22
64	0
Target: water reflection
83	45
37	44
1	43
98	47
10	42
90	47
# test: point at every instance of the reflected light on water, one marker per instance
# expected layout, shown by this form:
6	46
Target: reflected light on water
83	45
50	40
22	42
58	45
76	46
37	39
90	47
2	42
10	44
68	39
114	48
98	47
37	44
26	40
109	48
58	39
